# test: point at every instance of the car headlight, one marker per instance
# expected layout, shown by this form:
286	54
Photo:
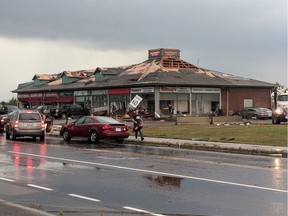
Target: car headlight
279	111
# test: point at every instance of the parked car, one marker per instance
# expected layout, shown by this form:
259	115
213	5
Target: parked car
4	111
268	111
25	123
256	113
48	110
95	128
4	119
7	109
71	110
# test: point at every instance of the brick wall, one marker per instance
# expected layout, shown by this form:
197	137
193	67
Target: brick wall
236	96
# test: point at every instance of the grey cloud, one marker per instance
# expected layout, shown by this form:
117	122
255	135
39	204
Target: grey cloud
217	30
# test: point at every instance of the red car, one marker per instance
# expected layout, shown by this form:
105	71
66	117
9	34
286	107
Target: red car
95	128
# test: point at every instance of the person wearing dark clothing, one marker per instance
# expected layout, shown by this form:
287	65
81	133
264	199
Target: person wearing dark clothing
170	108
137	120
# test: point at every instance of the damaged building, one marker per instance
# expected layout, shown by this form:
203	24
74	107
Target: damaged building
165	82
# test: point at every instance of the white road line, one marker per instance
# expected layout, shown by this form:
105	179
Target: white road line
142	211
8	180
84	197
155	172
39	187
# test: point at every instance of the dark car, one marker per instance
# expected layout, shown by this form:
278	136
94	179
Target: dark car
95	128
48	110
25	123
4	111
71	110
255	113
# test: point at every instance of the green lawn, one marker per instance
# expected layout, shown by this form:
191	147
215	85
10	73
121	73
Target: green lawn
273	135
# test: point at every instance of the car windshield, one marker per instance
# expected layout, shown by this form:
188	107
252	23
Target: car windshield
104	119
283	97
29	116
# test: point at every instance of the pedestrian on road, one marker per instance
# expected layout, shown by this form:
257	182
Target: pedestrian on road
137	120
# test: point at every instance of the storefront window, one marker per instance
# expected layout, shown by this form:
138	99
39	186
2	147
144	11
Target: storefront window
99	101
119	102
204	103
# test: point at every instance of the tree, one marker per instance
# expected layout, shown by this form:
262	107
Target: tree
12	101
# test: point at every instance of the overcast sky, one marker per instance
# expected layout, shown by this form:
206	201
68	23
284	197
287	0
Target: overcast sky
243	37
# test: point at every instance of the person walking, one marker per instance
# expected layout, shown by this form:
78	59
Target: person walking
137	120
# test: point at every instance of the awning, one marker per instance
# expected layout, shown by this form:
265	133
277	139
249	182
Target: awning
65	99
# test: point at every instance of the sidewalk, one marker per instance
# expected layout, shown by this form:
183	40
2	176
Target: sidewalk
7	209
214	146
203	145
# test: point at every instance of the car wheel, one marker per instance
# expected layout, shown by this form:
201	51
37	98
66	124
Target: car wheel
13	136
63	115
93	138
66	135
34	138
255	117
7	135
119	140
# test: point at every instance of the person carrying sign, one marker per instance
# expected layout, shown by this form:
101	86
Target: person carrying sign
137	120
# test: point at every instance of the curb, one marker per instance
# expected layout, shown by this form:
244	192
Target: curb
8	208
213	146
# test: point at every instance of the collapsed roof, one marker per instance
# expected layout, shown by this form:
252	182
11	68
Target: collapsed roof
163	68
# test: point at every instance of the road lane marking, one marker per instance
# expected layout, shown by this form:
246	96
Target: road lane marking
154	172
142	211
39	187
8	180
84	197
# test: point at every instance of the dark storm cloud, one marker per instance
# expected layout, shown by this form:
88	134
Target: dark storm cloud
242	30
125	23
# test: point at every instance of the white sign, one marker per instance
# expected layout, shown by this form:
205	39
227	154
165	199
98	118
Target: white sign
142	90
135	101
80	93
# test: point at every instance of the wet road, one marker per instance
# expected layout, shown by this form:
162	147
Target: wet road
109	179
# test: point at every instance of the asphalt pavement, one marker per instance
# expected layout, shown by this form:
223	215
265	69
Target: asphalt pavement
9	209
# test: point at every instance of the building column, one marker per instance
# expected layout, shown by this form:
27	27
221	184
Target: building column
157	99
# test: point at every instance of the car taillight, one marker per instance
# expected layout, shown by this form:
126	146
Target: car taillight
16	124
126	127
43	124
106	127
2	120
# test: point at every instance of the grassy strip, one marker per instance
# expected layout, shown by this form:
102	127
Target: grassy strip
270	135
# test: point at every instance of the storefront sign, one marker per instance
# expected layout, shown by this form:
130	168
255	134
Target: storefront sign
205	90
23	95
51	94
36	95
65	94
119	91
175	89
154	53
80	93
142	90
